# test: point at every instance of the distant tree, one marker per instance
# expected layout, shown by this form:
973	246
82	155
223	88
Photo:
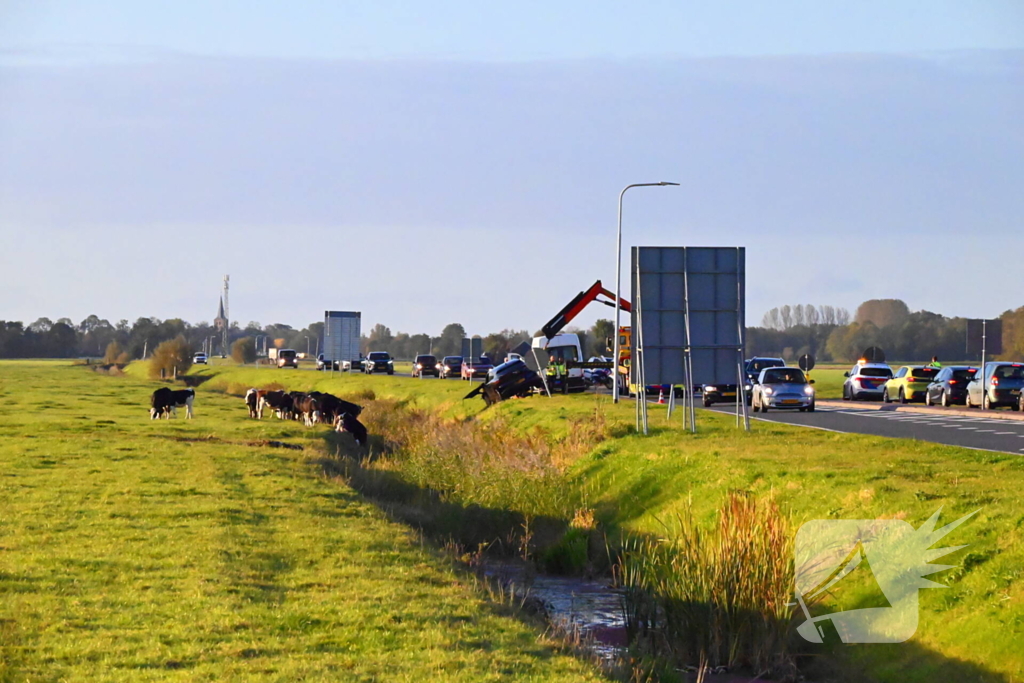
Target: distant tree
170	356
882	312
41	325
450	342
1013	334
786	317
602	336
115	355
244	350
380	338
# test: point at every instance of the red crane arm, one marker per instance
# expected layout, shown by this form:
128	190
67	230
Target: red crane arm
581	301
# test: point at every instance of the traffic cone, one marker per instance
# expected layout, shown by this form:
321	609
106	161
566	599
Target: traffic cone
661	396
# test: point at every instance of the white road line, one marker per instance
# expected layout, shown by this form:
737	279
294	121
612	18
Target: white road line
1004	433
982	431
963	428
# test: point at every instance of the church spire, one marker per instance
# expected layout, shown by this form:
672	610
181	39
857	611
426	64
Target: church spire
220	310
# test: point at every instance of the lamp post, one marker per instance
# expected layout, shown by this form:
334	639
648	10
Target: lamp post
210	340
307	345
618	285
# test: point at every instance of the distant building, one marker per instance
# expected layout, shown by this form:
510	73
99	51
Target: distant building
220	323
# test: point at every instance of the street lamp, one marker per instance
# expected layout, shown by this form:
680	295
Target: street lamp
307	345
618	284
210	339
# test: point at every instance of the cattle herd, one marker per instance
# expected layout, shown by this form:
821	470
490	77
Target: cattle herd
312	408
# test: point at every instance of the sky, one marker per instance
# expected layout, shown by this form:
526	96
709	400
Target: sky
427	164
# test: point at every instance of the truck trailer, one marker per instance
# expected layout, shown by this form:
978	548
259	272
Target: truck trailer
341	341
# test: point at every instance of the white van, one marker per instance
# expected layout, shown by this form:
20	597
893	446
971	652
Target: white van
565	347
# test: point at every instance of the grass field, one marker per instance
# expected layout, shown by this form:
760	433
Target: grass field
134	550
969	631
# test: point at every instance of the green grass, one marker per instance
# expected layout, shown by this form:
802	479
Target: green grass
969	631
641	484
133	550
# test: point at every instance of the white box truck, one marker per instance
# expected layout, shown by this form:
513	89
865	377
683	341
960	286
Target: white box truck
341	341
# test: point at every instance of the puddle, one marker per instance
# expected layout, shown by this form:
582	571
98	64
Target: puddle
591	608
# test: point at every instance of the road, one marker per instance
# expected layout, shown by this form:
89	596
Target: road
977	432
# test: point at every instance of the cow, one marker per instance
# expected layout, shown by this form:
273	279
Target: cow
252	400
309	408
331	407
347	423
164	401
279	401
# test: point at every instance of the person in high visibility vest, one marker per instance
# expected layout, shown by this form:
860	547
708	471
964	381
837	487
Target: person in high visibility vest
935	362
556	371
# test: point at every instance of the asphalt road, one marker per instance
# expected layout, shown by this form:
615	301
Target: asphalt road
977	432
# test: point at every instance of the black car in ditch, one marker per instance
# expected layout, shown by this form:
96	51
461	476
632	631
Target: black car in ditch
378	361
509	380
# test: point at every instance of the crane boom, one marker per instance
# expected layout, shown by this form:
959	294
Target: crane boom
579	302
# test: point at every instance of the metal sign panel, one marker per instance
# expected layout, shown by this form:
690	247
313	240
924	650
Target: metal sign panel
472	348
341	335
987	332
689	297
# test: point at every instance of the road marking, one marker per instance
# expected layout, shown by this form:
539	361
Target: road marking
980	431
1004	433
962	428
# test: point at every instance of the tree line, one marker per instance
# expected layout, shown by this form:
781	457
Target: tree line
93	336
828	333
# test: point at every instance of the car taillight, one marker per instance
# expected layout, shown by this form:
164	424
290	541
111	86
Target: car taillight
952	381
911	379
995	381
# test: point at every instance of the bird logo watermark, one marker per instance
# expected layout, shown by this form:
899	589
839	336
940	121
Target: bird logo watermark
882	563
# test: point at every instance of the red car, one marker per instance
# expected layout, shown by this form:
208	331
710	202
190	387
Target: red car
472	369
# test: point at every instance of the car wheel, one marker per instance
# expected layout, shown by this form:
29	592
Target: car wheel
944	400
707	403
846	393
810	408
986	402
967	399
903	396
764	407
885	395
928	398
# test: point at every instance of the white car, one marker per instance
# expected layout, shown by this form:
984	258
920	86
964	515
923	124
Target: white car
199	359
866	380
783	388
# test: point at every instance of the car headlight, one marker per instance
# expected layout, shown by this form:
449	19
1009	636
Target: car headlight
710	388
809	390
391	362
437	367
419	366
748	387
768	391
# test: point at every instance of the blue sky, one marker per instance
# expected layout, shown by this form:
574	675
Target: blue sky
386	158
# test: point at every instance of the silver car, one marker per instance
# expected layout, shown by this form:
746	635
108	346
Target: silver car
1001	386
783	388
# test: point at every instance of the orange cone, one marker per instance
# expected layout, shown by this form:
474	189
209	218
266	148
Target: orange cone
661	396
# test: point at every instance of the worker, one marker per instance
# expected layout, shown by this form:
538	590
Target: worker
935	362
556	371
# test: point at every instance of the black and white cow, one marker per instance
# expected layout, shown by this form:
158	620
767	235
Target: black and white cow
331	407
252	401
280	402
164	401
347	423
309	408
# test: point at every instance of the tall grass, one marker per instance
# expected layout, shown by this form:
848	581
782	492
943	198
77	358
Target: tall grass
714	595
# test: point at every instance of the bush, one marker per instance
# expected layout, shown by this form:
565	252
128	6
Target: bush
172	356
244	351
112	353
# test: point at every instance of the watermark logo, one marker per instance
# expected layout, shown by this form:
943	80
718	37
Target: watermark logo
881	564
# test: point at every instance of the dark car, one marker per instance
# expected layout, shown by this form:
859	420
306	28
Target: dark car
378	361
726	393
509	380
324	364
287	358
426	365
950	386
1001	386
451	366
472	369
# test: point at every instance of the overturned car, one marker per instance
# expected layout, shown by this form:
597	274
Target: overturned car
509	380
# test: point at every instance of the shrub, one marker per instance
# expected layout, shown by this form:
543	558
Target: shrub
112	353
244	350
172	356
